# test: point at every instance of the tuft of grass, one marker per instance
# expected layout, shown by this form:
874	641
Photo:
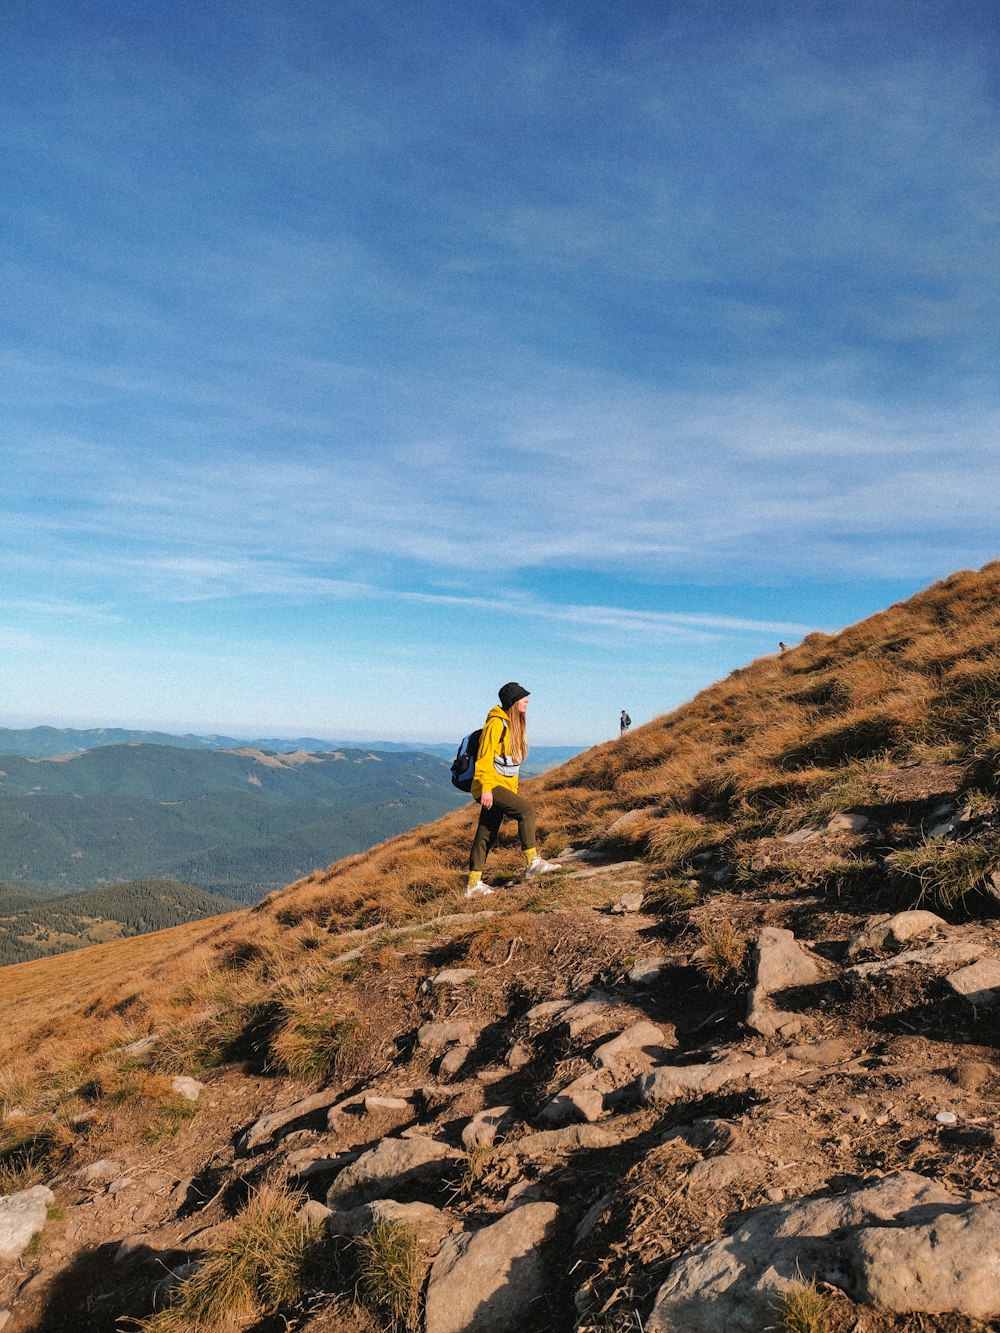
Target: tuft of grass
938	873
259	1269
478	1161
722	955
389	1275
677	838
673	894
803	1309
314	1046
30	1149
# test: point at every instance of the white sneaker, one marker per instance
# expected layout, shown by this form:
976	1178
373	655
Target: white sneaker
478	890
540	867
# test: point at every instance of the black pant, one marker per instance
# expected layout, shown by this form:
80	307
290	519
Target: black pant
488	830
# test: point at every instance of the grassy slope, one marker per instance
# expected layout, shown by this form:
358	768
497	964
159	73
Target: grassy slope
787	740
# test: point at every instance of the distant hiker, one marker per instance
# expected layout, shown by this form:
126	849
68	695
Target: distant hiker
626	722
783	646
503	748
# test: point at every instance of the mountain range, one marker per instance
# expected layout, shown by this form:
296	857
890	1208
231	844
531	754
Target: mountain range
55	742
234	822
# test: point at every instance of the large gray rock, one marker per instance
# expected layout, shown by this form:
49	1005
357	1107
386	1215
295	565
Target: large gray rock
904	1245
22	1216
392	1165
482	1281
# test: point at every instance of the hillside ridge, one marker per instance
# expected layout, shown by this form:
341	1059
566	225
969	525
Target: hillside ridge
758	1004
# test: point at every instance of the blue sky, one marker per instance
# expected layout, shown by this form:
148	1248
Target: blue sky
358	357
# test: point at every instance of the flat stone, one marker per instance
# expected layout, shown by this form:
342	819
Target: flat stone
483	1281
376	1102
779	962
22	1217
453	976
589	1012
188	1088
648	971
942	830
579	1100
139	1047
550	1141
267	1126
314	1214
642	1036
484	1126
392	1165
947	953
720	1173
978	983
100	1173
435	1037
547	1009
800	835
894	932
673	1083
628	902
828	1052
453	1061
519	1055
847	822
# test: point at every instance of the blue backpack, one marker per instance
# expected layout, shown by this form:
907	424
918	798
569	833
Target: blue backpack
464	765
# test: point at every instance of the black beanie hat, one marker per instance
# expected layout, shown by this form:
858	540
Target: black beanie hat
510	693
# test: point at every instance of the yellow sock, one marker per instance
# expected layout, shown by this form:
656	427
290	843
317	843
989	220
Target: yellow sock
529	854
474	877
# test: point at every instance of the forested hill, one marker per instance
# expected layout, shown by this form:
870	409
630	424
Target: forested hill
237	823
34	926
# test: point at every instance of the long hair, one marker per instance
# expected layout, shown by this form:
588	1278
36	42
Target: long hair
517	736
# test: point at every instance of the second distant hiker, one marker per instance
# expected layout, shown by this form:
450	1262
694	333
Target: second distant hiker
503	748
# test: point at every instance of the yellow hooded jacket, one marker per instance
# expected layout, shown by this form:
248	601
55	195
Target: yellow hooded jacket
494	766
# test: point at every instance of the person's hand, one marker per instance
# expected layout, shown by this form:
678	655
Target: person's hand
486	800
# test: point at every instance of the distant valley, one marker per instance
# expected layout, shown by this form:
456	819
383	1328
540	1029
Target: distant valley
236	823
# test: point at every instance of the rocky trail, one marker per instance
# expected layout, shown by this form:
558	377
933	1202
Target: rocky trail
592	1120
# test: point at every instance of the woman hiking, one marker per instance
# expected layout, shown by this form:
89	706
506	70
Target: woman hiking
503	748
